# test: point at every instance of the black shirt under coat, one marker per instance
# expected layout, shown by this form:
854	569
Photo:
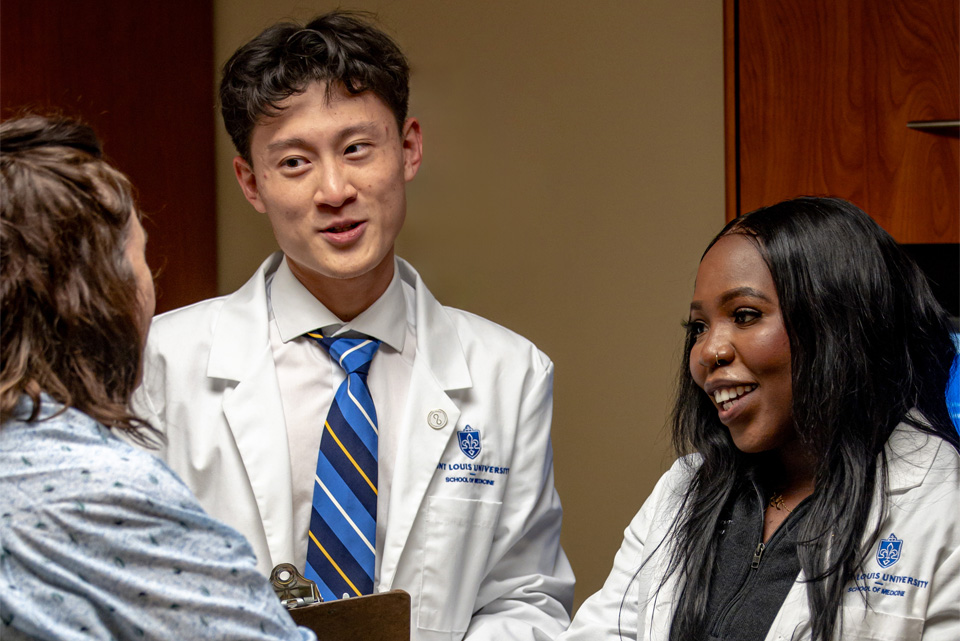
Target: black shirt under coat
751	579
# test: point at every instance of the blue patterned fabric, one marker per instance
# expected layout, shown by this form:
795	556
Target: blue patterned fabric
99	540
341	552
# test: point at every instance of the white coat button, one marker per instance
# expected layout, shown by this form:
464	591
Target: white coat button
437	419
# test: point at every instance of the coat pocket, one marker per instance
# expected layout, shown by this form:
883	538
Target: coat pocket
870	625
458	538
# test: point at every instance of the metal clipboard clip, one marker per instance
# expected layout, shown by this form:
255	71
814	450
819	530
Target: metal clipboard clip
293	590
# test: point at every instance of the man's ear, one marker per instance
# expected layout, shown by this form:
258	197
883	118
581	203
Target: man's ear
412	148
248	183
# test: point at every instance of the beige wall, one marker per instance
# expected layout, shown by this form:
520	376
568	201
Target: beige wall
573	173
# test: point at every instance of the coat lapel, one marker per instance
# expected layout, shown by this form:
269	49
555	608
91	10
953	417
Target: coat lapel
909	453
241	352
657	606
439	366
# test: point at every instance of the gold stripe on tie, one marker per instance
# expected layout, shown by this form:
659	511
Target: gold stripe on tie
372	486
333	563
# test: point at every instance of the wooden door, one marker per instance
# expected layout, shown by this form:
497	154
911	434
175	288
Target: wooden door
819	97
142	74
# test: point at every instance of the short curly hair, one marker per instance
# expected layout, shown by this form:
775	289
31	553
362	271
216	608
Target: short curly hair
340	48
68	295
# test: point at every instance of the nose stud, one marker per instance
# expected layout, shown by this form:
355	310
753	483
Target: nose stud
716	358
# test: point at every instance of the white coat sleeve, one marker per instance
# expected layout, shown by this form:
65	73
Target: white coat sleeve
527	593
612	613
943	611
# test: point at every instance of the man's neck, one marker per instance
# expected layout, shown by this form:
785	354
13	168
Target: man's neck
347	298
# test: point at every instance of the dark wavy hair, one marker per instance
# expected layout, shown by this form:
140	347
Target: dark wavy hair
340	48
68	296
868	343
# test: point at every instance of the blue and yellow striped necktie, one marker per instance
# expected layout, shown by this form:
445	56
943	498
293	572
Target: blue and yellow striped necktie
341	550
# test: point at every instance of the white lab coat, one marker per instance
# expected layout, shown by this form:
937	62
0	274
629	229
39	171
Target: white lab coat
481	559
924	514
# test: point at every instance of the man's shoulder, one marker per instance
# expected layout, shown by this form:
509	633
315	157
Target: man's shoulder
481	339
195	324
476	327
194	315
483	336
184	329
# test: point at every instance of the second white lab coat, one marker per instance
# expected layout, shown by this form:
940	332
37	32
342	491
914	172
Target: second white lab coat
917	597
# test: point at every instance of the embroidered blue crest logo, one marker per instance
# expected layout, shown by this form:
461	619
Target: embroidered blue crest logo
888	552
469	438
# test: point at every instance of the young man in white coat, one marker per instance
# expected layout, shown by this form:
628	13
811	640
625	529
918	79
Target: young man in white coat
464	515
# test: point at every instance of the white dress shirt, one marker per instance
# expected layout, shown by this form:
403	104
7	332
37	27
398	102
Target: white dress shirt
309	378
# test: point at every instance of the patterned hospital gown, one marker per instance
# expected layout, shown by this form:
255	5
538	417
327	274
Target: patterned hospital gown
99	540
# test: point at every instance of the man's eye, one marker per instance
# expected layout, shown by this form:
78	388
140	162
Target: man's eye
355	148
292	163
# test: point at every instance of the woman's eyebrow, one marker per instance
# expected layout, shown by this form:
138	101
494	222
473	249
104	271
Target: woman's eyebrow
737	292
729	295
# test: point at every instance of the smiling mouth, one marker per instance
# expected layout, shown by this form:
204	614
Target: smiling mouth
725	397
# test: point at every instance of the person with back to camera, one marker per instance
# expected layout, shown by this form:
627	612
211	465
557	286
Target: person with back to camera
822	497
331	409
100	540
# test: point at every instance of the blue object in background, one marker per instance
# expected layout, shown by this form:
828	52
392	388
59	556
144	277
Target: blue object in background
953	387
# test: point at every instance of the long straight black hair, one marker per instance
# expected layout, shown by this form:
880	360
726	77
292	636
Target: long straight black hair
868	343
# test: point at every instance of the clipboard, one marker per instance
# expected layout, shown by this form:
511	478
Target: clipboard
375	617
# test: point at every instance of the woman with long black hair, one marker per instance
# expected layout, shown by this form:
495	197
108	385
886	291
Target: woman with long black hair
818	491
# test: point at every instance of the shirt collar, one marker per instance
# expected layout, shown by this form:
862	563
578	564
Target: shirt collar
298	312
